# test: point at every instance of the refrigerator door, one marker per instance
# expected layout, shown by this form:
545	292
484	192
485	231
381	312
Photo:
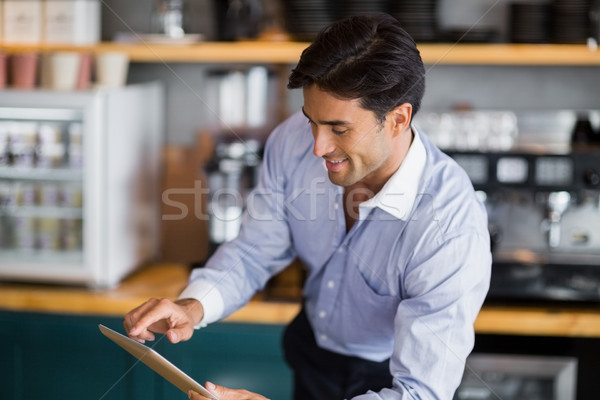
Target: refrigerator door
79	183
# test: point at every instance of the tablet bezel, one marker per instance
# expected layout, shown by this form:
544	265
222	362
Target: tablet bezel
157	363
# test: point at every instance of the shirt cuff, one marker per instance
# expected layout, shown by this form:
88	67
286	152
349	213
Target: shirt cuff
210	298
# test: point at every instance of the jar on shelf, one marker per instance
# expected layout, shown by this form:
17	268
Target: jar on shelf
167	18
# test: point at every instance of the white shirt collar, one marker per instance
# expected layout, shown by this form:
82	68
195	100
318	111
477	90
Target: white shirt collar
399	193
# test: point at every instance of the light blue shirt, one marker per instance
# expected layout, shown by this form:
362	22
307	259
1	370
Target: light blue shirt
406	282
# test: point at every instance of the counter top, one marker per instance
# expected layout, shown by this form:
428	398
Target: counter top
167	280
159	281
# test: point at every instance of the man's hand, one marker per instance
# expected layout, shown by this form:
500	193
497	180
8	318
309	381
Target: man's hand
224	393
175	319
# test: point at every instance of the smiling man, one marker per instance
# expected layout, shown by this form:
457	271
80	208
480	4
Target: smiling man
393	238
356	146
361	152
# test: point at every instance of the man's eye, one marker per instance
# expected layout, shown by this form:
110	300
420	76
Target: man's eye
338	132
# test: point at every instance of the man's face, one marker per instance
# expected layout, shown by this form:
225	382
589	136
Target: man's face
355	146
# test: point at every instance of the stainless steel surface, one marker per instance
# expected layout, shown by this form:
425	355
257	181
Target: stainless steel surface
518	377
558	202
232	174
527	233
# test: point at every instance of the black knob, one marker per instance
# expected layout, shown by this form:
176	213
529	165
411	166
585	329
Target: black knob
495	234
591	177
582	132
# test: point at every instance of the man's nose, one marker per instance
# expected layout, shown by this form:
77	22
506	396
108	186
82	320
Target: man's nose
323	143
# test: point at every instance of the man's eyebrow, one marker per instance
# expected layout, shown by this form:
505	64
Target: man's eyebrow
332	123
305	114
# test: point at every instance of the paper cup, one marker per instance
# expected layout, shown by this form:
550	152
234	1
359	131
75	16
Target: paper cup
45	71
23	68
85	71
64	70
3	70
111	69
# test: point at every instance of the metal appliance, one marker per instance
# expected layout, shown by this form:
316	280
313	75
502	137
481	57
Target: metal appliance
544	222
516	377
231	175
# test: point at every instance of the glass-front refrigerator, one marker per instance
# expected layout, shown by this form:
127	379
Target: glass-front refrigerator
79	183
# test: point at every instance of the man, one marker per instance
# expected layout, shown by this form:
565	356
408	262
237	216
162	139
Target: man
389	228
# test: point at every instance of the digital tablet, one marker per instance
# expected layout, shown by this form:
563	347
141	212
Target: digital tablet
157	362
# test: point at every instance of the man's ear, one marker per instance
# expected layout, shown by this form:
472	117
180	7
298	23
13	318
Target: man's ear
400	118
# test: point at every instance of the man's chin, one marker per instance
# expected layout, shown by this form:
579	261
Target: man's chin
340	179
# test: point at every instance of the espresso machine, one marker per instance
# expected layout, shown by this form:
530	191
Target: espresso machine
231	174
544	222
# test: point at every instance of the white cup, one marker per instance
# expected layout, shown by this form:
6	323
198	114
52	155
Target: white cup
63	70
111	69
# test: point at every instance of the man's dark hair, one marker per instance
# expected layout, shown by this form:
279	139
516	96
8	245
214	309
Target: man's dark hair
368	57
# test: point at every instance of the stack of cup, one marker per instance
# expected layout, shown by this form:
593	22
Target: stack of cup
66	70
63	70
3	70
111	69
23	69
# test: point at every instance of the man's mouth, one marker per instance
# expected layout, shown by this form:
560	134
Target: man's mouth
335	165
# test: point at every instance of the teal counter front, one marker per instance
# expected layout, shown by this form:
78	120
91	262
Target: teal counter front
58	357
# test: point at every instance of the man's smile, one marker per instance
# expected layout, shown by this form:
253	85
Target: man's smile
335	165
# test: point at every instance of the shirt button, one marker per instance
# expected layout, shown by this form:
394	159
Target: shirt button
340	249
322	314
331	284
323	336
336	206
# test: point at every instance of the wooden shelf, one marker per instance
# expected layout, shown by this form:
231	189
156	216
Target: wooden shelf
264	52
202	52
510	54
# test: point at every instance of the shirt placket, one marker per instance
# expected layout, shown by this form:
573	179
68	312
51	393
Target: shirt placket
333	275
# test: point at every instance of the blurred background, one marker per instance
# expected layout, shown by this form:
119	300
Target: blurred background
120	121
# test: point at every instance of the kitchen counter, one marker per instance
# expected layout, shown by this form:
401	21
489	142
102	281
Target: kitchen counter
167	280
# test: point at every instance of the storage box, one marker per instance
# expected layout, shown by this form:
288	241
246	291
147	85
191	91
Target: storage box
22	21
72	21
